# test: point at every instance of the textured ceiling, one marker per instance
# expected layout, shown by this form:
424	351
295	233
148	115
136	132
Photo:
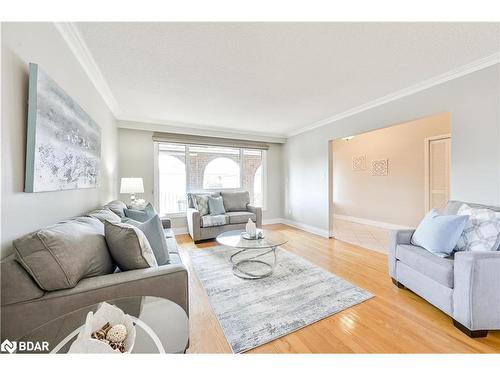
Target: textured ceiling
272	77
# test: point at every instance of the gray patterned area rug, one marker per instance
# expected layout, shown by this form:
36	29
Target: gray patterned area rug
254	312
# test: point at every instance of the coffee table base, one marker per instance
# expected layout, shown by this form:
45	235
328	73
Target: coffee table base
268	268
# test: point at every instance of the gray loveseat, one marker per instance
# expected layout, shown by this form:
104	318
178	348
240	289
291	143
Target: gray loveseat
238	211
25	305
465	286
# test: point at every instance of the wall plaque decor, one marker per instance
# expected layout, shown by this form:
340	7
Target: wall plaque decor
380	167
63	144
359	163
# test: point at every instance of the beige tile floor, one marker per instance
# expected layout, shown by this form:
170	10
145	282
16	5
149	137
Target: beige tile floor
367	236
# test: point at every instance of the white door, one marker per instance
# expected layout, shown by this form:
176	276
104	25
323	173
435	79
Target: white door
438	157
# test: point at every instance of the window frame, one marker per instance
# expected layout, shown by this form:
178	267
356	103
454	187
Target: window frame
156	177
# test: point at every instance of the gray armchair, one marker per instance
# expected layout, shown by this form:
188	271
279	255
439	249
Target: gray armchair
238	211
465	286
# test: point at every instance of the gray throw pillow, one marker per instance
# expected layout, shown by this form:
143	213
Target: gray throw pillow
59	256
216	206
202	204
104	214
128	246
117	207
235	200
153	230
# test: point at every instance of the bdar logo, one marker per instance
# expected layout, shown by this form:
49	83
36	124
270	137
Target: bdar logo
8	346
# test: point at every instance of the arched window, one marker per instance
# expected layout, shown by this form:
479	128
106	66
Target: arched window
172	181
257	187
221	173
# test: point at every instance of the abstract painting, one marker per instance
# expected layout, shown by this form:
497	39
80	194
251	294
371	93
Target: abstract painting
63	144
380	167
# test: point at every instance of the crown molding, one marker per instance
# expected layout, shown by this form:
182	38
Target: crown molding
196	129
428	83
77	45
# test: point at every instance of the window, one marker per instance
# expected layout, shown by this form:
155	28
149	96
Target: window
171	178
183	168
221	173
257	187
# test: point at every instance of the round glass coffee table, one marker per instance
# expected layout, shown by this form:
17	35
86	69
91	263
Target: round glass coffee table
256	258
161	326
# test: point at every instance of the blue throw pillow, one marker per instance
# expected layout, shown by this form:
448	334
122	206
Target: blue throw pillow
140	215
216	206
439	234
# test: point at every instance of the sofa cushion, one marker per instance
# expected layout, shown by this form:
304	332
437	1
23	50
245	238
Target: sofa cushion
439	234
216	206
201	204
129	246
155	234
235	200
453	206
117	207
104	214
482	231
191	200
59	256
213	220
426	263
240	217
17	284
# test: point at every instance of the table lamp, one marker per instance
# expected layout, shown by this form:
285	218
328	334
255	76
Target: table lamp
131	185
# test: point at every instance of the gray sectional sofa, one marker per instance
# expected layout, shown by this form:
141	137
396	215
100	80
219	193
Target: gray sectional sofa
27	303
465	286
238	211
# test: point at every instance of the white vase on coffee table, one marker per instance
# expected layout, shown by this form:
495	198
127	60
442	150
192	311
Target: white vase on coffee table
250	228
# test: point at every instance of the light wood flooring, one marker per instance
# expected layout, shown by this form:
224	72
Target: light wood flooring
395	321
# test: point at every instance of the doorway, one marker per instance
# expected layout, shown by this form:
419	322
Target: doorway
437	171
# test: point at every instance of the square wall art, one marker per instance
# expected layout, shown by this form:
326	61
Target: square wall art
380	167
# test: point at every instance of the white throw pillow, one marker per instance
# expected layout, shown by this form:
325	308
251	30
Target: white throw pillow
482	232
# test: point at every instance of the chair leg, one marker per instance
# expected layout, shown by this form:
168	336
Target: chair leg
397	283
468	332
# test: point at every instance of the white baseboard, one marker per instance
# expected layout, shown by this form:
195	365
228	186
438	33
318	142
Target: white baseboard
180	230
374	223
308	228
296	224
278	220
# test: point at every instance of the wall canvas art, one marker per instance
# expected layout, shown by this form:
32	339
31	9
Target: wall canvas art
359	163
63	144
380	167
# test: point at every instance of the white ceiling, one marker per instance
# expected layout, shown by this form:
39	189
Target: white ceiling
271	78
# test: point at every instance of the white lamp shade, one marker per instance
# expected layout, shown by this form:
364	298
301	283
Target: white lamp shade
131	185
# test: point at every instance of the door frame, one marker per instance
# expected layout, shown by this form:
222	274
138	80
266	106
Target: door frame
427	142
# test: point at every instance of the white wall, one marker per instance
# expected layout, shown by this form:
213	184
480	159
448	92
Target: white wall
41	43
472	101
399	197
136	158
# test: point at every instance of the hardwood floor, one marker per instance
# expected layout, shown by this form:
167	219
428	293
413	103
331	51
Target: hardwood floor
395	321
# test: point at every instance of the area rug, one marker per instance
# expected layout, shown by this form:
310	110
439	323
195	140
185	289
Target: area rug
254	312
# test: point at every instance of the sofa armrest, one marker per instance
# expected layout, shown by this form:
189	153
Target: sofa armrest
166	222
397	237
258	214
476	293
193	221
